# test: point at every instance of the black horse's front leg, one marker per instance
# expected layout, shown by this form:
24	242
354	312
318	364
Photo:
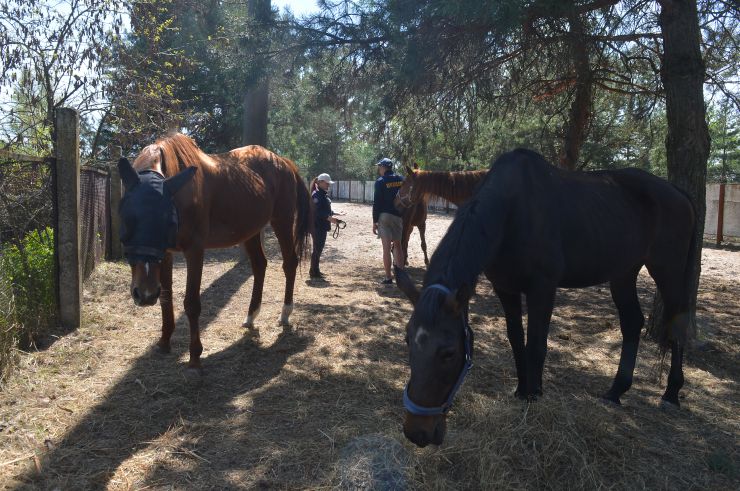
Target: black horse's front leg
512	304
194	261
540	300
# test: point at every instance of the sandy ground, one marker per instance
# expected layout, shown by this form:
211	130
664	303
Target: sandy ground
96	408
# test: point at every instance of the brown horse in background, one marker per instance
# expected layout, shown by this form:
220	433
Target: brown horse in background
455	187
418	186
414	216
179	198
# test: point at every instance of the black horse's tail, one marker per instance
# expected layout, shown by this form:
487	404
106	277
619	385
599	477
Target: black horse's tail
303	218
678	329
690	281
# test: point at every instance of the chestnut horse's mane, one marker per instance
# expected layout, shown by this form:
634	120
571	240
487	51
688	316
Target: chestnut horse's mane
453	186
178	152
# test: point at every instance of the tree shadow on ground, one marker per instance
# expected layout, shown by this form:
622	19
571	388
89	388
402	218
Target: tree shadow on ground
152	398
154	394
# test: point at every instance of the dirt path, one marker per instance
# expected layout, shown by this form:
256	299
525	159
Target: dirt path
97	409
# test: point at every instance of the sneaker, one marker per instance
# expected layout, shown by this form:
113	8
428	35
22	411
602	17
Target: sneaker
387	281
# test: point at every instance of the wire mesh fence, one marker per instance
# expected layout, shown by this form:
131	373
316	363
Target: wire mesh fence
26	200
95	218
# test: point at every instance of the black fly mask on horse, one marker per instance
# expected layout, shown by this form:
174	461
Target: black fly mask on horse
148	213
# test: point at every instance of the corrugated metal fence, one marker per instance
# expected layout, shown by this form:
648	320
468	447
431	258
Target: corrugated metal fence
723	213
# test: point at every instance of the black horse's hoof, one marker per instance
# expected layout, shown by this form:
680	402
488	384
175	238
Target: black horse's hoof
667	405
520	395
610	400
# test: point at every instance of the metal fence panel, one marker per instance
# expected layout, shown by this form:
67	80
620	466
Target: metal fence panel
369	191
730	210
357	191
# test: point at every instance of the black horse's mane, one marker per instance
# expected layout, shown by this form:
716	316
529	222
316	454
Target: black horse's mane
475	234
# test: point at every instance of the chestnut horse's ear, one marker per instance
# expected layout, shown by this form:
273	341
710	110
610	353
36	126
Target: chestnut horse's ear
409	171
128	174
175	183
416	165
406	285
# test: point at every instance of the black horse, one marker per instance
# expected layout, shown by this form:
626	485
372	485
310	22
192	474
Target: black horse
532	228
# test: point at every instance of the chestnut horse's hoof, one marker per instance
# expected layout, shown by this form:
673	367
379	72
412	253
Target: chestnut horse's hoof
194	375
162	349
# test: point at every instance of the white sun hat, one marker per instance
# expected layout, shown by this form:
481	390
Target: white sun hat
325	177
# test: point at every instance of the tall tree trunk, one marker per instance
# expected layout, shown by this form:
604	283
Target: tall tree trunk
257	90
688	142
580	109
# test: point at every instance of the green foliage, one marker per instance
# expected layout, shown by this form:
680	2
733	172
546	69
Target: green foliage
27	284
724	128
9	329
52	55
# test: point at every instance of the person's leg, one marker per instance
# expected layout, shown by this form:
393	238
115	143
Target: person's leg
319	239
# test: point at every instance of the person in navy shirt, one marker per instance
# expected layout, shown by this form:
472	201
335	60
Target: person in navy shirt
387	223
324	217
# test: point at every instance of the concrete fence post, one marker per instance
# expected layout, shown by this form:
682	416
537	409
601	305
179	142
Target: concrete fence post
116	251
68	212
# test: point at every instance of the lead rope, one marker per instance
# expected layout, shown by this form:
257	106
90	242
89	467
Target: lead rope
340	225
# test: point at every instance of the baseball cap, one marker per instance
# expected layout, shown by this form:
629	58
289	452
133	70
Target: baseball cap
325	177
386	162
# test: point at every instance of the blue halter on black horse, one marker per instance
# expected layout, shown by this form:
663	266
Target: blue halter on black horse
532	228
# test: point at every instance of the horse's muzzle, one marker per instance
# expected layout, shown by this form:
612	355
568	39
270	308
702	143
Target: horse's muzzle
423	430
144	298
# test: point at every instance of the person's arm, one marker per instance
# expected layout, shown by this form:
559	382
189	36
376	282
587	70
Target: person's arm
323	209
376	200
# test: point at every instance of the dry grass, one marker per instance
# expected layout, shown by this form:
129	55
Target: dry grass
319	406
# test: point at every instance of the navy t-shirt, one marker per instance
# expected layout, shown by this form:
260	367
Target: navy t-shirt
386	188
323	210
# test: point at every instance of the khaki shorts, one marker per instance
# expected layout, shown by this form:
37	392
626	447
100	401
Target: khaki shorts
390	226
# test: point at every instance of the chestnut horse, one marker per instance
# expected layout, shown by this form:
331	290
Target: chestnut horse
179	198
455	187
414	216
413	198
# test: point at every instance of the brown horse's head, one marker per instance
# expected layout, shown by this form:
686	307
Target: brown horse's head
440	349
407	195
148	225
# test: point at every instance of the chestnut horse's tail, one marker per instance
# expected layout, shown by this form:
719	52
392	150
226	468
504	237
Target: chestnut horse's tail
303	218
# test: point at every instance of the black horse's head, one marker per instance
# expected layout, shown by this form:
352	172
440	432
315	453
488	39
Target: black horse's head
440	351
148	225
